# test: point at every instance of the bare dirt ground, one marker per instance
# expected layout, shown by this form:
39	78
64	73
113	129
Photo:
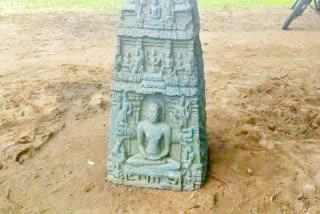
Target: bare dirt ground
263	96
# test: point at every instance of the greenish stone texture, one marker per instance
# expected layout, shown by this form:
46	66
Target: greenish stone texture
158	133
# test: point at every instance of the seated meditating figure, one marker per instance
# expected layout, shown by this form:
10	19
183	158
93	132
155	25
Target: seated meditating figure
154	139
155	10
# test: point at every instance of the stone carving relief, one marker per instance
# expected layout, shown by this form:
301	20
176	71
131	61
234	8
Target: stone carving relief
157	68
182	114
140	4
118	158
158	131
155	10
167	63
154	16
154	61
188	158
138	62
168	16
125	110
154	141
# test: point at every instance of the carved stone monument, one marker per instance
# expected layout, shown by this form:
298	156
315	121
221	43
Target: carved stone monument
158	119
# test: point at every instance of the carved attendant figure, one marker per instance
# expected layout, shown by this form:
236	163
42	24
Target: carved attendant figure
127	60
138	62
119	157
189	65
155	10
179	66
139	10
167	63
154	139
154	62
125	109
182	113
187	159
180	63
168	11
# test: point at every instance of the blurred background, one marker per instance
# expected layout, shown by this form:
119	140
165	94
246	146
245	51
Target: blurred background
116	4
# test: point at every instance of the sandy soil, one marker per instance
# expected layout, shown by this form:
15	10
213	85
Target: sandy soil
263	96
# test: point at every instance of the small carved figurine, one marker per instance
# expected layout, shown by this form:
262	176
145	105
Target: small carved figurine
125	109
189	65
167	63
154	62
127	60
155	10
182	113
138	61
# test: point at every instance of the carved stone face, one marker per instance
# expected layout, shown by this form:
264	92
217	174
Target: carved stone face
154	112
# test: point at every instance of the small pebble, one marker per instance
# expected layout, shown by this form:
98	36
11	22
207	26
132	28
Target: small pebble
88	187
91	163
195	206
272	127
191	196
309	190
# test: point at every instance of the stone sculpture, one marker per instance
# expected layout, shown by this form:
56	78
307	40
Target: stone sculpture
154	141
158	121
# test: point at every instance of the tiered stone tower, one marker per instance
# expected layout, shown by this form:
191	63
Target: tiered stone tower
158	119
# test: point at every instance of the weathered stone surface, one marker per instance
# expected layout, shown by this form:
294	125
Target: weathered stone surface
158	120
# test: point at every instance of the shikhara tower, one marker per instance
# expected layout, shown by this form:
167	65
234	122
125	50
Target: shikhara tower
158	133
